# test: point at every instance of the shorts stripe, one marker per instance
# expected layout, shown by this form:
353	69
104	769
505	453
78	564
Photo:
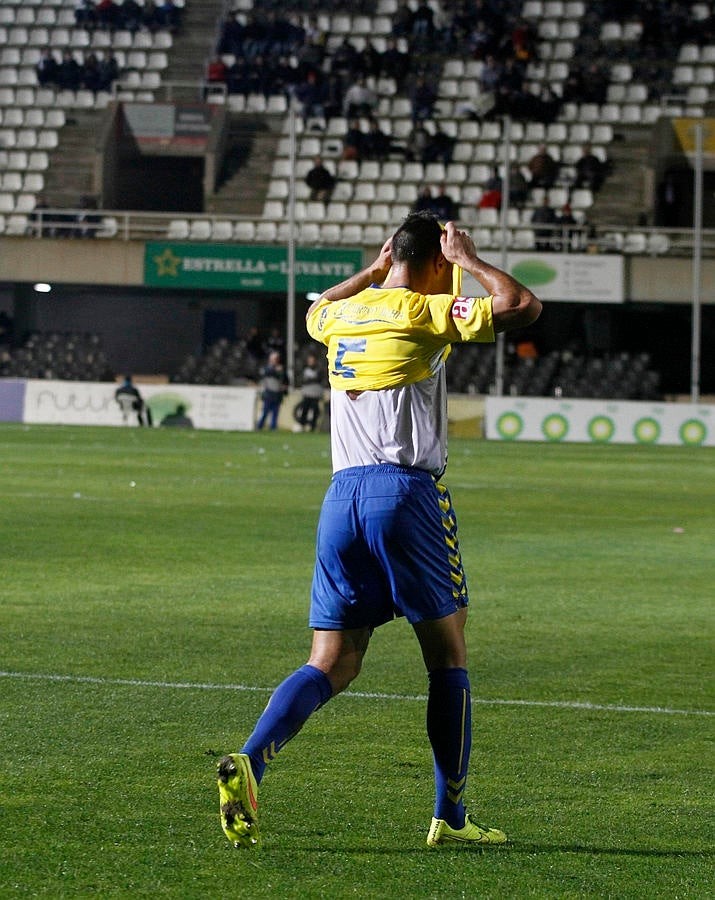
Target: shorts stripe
387	545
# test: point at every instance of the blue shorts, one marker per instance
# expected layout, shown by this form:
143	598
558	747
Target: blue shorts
387	546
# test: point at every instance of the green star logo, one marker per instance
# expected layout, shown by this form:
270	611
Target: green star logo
167	263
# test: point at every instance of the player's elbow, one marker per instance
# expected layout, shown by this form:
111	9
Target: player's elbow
517	311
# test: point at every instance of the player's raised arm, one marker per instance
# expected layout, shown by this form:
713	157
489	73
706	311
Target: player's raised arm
375	273
513	304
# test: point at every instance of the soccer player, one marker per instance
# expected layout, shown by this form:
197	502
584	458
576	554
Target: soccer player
387	534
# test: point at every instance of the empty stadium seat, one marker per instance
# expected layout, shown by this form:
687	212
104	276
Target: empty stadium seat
178	229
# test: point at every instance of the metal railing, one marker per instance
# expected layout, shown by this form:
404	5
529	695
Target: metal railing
220	228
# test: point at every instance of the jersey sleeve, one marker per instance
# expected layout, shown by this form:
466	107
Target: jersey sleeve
315	321
464	318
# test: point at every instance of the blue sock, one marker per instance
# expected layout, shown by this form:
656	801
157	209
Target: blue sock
449	728
291	704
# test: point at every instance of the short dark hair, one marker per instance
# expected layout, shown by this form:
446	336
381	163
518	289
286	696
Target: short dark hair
417	241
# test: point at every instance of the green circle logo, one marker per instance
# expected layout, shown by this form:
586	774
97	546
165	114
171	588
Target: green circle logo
555	427
601	429
647	430
693	432
510	425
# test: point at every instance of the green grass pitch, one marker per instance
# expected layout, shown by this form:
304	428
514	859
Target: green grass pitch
154	588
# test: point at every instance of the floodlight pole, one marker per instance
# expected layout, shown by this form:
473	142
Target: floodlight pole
503	223
697	265
290	269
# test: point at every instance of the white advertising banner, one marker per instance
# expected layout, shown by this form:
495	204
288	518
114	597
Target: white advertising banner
599	421
90	403
565	277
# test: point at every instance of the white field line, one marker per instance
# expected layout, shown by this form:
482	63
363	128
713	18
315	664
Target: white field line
180	685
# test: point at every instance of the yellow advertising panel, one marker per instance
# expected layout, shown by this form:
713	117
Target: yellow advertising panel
685	134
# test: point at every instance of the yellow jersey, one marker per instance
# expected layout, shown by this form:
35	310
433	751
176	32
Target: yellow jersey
391	337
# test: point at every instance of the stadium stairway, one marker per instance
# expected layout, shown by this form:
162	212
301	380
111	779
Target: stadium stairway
251	148
70	174
624	198
193	45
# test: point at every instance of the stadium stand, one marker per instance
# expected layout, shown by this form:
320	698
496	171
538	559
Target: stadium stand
634	74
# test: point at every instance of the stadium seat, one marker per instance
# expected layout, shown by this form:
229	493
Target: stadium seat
16	225
635	242
264	231
221	230
178	229
330	233
352	234
244	231
657	243
109	227
12	182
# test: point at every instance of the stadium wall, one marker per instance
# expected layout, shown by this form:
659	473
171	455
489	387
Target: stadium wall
660	279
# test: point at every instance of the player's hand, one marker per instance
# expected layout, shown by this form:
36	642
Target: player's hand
383	262
457	246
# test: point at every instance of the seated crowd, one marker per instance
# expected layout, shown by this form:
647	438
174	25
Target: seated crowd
110	15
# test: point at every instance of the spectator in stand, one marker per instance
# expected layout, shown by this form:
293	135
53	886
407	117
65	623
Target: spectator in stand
130	16
424	201
359	100
394	63
216	71
444	206
491	74
524	42
333	90
90	73
280	34
311	95
423	23
544	108
423	98
402	19
320	181
439	147
69	73
417	143
509	96
314	33
85	14
168	15
87	221
376	144
108	70
237	76
543	168
492	191
545	216
41	224
568	236
480	42
230	40
370	60
589	170
589	85
345	60
353	141
47	68
107	15
518	187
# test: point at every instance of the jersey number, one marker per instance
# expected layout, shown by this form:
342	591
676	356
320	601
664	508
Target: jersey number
347	345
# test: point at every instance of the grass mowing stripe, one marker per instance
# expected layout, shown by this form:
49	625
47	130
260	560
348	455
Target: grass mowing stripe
181	685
